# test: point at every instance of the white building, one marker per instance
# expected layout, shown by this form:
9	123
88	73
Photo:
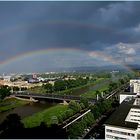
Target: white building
124	123
124	95
135	86
134	90
6	78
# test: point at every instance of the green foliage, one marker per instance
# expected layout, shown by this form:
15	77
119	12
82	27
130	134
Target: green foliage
100	107
85	102
95	111
10	103
60	85
48	87
82	105
76	129
54	120
75	106
4	92
64	115
45	116
112	86
89	119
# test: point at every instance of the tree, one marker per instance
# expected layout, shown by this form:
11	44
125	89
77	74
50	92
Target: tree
48	87
60	85
75	130
89	119
95	110
11	122
74	106
4	91
85	102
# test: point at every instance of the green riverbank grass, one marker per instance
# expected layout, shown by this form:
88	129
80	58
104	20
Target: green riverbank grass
10	103
68	91
44	116
92	93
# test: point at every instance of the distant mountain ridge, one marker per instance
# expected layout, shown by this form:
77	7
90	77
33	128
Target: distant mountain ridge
134	66
93	68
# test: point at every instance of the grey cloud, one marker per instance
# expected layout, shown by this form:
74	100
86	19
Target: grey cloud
90	26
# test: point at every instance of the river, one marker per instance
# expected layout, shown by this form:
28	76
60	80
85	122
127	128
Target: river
27	109
89	87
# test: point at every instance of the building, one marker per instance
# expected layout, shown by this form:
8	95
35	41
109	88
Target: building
135	86
124	123
124	95
6	78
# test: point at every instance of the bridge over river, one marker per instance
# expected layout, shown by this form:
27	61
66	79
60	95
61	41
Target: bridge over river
63	97
52	96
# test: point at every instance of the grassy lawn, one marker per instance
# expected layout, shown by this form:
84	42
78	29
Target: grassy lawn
44	116
91	93
10	103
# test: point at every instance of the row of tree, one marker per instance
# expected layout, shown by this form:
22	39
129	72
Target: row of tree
76	130
61	85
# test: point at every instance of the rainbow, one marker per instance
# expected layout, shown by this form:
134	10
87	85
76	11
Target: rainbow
93	54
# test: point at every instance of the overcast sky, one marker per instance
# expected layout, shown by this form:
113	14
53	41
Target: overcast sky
90	33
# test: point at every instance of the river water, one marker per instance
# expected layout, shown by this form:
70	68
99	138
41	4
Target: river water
89	87
27	109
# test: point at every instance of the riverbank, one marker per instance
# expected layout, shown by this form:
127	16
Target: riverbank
11	103
71	91
47	116
92	93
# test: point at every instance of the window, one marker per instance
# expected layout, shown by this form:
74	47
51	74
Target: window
120	132
113	137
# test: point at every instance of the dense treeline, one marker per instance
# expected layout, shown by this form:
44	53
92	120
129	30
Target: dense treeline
60	85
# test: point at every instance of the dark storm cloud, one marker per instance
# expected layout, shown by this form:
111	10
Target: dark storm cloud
92	26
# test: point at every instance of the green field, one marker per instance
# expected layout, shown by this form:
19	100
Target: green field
10	103
44	116
92	93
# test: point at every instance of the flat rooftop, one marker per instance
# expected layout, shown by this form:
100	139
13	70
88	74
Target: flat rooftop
119	116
